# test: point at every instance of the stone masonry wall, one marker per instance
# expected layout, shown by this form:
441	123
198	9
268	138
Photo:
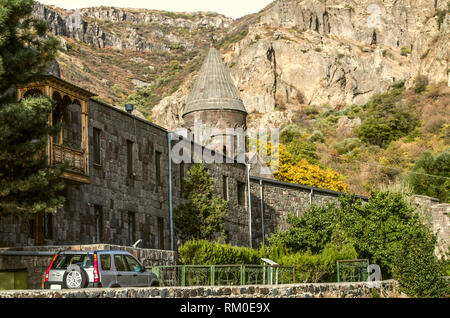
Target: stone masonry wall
137	206
279	200
119	195
438	217
37	265
441	225
388	289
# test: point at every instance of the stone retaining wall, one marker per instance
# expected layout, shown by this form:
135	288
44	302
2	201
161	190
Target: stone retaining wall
388	289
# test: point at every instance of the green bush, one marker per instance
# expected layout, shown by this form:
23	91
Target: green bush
386	119
398	84
420	84
202	252
316	136
405	51
320	267
303	149
289	133
418	271
204	214
347	145
293	137
430	175
376	228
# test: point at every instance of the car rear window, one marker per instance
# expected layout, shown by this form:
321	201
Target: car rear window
64	260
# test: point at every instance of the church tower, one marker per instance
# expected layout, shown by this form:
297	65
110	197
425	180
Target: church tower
215	101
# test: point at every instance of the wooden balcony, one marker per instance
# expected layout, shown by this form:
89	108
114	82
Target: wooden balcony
72	102
77	169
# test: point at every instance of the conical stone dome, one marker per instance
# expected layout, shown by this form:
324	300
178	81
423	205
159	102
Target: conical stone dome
214	88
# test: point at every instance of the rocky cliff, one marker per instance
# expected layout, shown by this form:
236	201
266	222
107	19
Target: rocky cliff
113	51
330	54
292	53
310	65
133	29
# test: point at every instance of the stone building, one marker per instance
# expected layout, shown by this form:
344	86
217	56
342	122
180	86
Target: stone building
215	103
122	187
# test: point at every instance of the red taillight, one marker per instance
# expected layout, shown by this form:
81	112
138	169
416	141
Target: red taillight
96	275
49	267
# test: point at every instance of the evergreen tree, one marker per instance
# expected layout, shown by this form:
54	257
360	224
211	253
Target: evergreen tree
204	214
25	49
27	183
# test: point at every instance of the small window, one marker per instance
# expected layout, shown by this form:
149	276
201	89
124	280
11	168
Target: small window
130	158
158	167
48	226
131	227
31	227
98	214
161	233
105	262
241	193
96	146
225	187
120	263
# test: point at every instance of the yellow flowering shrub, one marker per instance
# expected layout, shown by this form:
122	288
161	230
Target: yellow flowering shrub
302	172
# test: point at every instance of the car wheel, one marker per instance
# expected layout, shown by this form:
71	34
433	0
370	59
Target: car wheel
75	277
154	284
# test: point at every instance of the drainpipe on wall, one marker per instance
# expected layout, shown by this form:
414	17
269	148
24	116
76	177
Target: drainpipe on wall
310	197
261	196
169	140
249	206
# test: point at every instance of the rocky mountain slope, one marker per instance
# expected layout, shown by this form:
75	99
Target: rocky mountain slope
292	53
309	67
329	54
113	51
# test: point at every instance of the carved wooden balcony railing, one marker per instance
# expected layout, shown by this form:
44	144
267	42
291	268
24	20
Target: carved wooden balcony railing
65	95
75	158
77	169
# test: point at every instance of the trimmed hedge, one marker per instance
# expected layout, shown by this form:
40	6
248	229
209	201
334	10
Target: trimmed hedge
311	267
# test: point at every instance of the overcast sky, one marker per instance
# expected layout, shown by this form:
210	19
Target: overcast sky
231	8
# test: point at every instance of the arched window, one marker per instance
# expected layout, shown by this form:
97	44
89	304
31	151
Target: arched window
57	115
72	125
32	93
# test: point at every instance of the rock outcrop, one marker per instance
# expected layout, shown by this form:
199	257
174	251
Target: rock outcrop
336	53
119	28
294	52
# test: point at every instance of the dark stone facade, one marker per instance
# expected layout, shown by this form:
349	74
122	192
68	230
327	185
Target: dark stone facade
132	206
279	199
140	201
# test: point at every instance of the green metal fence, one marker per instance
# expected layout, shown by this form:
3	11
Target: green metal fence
352	270
223	275
236	275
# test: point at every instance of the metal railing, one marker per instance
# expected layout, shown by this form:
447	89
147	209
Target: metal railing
352	270
224	275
